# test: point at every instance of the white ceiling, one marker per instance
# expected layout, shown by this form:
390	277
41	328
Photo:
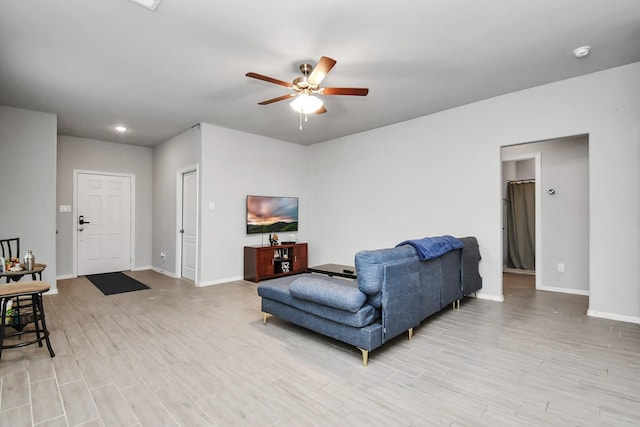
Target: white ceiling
97	64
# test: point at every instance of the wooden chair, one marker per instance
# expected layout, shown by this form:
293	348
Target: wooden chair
26	308
10	247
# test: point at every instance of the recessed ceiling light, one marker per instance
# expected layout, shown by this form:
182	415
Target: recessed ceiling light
149	4
582	51
121	128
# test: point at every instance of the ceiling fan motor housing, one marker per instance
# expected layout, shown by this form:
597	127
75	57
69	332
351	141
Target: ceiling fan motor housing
300	84
306	69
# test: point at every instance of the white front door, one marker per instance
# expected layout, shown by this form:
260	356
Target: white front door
103	223
189	227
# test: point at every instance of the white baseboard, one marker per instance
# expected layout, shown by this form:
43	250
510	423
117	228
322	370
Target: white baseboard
219	281
166	273
613	316
564	290
198	284
489	297
73	276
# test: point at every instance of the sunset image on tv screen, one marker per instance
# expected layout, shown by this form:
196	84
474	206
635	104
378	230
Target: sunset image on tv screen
271	214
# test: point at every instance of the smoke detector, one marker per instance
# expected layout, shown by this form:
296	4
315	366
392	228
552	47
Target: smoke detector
582	51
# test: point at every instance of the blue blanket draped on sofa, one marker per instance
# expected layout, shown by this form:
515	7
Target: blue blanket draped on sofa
433	247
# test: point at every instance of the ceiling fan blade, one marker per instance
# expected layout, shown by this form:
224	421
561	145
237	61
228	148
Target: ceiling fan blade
280	98
321	70
269	79
344	91
321	110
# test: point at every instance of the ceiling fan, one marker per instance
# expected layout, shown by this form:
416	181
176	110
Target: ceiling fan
307	86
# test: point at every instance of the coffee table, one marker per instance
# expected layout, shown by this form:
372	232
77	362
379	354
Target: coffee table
338	270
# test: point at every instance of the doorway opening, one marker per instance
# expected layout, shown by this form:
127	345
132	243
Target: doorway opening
521	169
560	169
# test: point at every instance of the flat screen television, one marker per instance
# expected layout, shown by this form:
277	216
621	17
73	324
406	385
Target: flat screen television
268	214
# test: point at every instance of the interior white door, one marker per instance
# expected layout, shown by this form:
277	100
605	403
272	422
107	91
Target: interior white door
104	223
189	227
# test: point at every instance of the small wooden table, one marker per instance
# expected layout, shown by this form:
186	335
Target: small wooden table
338	270
17	275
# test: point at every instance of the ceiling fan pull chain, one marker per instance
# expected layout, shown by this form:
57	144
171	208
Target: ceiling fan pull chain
300	119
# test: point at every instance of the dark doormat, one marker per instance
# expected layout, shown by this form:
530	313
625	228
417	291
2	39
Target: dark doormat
115	283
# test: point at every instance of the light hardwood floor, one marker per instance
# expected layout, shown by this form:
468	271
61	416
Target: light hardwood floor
181	355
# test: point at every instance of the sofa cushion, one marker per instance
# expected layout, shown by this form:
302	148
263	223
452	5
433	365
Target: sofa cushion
343	296
278	290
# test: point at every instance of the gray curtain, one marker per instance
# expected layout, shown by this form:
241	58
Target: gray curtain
521	229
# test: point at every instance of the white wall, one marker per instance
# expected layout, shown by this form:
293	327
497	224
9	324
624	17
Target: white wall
525	169
102	156
168	159
442	174
28	190
235	164
232	164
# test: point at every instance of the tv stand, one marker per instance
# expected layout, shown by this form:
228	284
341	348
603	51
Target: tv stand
268	262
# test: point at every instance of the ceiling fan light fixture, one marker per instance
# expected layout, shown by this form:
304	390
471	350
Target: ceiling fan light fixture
306	104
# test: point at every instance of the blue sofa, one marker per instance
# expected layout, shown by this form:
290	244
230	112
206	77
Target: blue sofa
394	292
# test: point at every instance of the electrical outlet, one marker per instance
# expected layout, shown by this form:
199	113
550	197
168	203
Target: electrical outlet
560	267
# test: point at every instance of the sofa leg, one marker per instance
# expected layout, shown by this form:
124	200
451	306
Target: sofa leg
410	333
264	318
458	304
365	356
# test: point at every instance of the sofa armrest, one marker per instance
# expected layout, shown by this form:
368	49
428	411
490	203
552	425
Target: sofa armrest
403	298
471	279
